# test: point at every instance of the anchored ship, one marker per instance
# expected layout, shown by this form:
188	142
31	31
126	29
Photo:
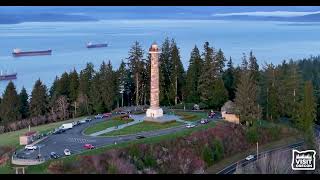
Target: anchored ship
18	53
90	45
6	77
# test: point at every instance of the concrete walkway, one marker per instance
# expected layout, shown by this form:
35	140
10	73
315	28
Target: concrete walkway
114	128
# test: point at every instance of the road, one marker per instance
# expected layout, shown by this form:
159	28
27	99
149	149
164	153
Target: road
243	162
73	139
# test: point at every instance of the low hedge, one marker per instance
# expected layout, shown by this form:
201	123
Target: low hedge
186	116
122	117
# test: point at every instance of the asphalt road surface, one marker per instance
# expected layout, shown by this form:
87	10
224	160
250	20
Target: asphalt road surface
74	140
232	168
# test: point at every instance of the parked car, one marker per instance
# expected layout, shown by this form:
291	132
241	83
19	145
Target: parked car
140	137
105	115
54	155
250	157
88	119
30	147
89	146
75	123
67	152
204	121
190	125
98	116
82	121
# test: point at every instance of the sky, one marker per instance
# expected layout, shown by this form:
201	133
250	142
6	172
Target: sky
219	10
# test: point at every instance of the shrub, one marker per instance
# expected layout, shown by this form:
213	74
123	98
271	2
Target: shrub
134	151
252	135
186	116
207	156
56	167
1	129
203	105
217	150
149	161
274	132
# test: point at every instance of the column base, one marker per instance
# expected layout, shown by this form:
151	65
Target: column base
154	113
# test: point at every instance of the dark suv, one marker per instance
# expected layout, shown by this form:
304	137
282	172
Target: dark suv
54	155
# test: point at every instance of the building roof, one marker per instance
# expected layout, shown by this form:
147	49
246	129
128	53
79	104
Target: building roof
30	133
228	107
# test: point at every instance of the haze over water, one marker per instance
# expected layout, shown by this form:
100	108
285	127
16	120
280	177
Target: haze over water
269	41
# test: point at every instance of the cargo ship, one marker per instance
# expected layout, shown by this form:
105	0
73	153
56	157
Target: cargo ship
18	53
90	45
6	77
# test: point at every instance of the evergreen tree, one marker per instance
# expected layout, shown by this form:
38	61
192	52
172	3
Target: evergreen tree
229	80
74	85
254	68
135	62
108	89
307	112
24	104
146	79
73	92
220	62
85	77
247	107
177	73
165	74
95	94
53	87
193	75
39	99
121	77
290	90
10	104
63	85
208	75
270	90
220	94
85	80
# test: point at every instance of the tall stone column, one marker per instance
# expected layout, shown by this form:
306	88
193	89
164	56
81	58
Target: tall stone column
154	111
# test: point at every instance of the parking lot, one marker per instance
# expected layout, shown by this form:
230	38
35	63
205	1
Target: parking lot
74	140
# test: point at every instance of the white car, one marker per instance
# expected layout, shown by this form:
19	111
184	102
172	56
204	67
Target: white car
190	125
67	152
30	147
82	121
250	157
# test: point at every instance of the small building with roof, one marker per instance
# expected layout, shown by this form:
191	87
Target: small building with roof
28	137
228	112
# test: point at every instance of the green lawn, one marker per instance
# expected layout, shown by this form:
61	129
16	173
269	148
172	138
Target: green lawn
142	127
191	116
104	125
12	138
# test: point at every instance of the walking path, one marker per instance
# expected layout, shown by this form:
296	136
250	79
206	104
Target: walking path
114	128
137	119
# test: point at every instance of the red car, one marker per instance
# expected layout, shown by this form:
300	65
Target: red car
89	146
106	114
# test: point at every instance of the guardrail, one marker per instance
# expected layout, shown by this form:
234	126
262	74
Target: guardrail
262	154
29	162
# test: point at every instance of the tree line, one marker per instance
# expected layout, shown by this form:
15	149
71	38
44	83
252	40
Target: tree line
210	80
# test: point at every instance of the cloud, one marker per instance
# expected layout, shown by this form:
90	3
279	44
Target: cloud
270	13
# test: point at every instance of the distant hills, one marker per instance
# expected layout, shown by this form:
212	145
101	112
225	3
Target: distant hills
15	18
305	18
14	15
